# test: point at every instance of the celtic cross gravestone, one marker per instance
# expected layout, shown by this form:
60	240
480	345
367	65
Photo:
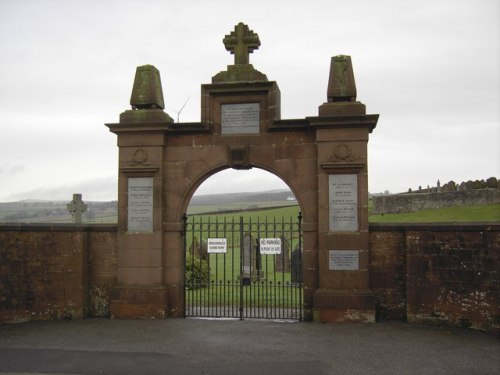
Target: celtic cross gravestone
76	207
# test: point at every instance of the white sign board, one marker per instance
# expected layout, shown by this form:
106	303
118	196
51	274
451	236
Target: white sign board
217	245
343	202
241	118
140	204
343	260
270	246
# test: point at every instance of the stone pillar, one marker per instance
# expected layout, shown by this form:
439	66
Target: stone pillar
140	290
342	130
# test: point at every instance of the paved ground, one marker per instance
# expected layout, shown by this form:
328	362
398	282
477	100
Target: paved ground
194	346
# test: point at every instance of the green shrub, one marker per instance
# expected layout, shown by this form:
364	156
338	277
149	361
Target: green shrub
197	272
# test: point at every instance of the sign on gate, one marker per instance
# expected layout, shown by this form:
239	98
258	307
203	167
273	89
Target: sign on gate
217	245
270	246
241	278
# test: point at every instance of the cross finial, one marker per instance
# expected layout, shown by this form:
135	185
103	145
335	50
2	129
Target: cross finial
76	207
241	42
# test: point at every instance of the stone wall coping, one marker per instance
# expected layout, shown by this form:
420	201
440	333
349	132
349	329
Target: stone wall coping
373	227
436	227
57	227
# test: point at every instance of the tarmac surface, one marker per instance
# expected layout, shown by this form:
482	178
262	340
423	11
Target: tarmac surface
197	346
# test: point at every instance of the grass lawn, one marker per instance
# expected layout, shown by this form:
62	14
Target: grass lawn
487	213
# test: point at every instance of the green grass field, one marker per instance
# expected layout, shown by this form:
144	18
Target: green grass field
487	213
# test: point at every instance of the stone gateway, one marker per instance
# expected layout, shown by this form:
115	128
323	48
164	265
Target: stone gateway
322	158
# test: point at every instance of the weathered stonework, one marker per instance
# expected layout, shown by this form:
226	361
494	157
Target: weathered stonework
181	156
428	274
398	203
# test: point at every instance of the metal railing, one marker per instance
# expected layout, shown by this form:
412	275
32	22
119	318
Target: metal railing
243	269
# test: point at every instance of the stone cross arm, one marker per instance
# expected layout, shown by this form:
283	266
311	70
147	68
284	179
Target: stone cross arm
241	42
76	207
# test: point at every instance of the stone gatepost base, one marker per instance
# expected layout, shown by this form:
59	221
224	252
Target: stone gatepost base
335	306
138	302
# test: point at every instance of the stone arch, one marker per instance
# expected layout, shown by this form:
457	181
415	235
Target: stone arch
322	158
212	172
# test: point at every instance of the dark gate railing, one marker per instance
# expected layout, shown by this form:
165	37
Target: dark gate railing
243	269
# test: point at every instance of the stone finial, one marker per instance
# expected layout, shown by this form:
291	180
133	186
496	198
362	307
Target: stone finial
147	92
341	91
146	99
341	85
241	43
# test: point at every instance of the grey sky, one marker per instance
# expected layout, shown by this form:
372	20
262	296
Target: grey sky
429	68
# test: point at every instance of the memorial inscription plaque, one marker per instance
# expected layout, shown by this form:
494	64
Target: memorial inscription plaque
343	202
343	260
140	204
241	118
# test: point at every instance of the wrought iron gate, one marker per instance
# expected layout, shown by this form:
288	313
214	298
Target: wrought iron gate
243	269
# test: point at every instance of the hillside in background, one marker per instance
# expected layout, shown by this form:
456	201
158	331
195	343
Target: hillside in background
39	211
265	196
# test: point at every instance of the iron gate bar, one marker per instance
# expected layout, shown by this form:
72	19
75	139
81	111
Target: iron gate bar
265	294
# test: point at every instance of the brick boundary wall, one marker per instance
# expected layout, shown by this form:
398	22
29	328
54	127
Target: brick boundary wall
445	274
56	271
412	202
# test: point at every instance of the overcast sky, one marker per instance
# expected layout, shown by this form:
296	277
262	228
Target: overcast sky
429	68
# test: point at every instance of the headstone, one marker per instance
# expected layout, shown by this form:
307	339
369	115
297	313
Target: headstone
247	259
76	207
296	276
203	251
194	248
282	261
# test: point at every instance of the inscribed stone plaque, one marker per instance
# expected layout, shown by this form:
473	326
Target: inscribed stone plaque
240	118
343	202
140	204
343	260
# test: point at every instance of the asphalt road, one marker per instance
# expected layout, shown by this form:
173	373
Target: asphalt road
195	346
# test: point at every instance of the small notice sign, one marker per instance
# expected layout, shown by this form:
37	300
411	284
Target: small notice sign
270	246
217	245
343	260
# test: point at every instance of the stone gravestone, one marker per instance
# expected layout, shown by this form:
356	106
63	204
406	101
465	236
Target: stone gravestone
76	207
282	261
203	250
296	265
247	259
194	248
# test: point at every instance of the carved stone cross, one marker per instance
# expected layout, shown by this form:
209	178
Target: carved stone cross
76	207
241	42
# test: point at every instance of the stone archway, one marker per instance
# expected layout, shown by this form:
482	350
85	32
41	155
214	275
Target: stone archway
322	158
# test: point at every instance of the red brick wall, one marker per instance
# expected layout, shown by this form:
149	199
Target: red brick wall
438	274
47	271
102	270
